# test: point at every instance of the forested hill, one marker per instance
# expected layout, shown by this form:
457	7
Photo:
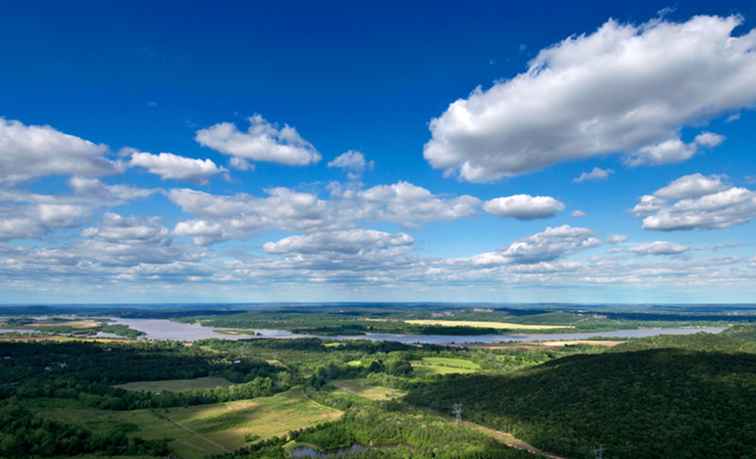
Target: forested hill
693	399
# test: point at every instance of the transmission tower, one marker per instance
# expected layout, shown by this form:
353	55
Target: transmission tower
457	410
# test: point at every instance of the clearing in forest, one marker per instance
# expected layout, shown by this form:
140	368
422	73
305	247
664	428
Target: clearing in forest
177	385
364	389
483	324
444	366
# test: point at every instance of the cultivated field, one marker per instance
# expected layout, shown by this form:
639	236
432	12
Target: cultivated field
483	324
78	324
177	385
444	366
202	430
362	388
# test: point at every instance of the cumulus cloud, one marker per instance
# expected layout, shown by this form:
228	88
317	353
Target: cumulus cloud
594	175
691	186
112	195
31	215
616	238
672	150
625	89
696	202
120	241
202	232
353	162
659	248
402	202
351	241
174	167
128	230
30	151
548	245
223	217
234	216
524	207
241	164
262	141
579	213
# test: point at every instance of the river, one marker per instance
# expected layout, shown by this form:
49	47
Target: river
164	329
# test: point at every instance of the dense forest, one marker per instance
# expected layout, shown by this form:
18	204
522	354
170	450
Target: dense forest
663	401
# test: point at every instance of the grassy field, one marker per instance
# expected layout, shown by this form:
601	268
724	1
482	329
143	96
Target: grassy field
483	324
362	388
177	385
78	324
444	366
198	431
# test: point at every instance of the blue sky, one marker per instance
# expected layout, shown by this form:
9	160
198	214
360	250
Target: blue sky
128	170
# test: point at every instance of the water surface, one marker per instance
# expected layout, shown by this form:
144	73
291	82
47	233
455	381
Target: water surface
164	329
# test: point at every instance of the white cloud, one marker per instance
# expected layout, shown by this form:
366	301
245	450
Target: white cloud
174	167
131	242
623	89
202	232
673	150
659	248
691	186
550	244
263	141
579	213
524	207
696	202
30	215
220	218
107	194
61	215
616	238
235	216
128	230
353	162
20	227
28	152
594	175
241	164
351	241
709	139
403	203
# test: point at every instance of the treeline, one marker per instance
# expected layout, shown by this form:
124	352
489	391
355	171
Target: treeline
102	396
87	372
24	435
122	363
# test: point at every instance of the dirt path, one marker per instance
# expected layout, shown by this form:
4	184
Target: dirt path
510	440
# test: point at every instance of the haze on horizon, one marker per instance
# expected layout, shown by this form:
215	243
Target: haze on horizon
535	153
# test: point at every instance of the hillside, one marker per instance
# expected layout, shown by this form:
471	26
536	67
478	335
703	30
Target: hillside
663	402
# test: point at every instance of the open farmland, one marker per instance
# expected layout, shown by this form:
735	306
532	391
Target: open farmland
201	430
